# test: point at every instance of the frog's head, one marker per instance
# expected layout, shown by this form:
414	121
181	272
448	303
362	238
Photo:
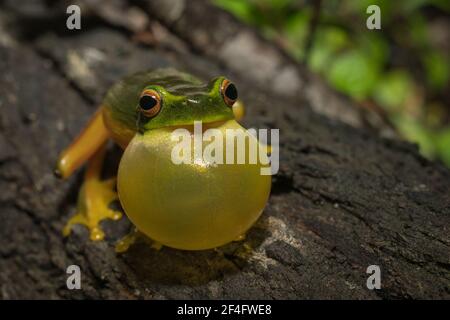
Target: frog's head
180	102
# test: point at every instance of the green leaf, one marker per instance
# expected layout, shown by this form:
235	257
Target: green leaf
437	69
442	4
411	5
276	4
240	8
328	41
354	73
296	29
374	46
418	31
392	91
319	58
443	146
414	131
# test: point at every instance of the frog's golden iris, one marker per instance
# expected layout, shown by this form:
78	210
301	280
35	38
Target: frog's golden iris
229	92
186	206
150	103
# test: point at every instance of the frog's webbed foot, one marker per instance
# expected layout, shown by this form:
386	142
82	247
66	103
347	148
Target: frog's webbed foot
240	237
133	237
94	199
125	243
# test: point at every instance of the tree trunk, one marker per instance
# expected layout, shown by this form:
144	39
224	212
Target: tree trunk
345	197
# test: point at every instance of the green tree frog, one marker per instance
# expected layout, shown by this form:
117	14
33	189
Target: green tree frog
191	206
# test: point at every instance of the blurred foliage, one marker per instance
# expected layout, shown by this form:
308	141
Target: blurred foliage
402	68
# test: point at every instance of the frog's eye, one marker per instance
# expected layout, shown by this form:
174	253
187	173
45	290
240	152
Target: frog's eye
150	103
229	92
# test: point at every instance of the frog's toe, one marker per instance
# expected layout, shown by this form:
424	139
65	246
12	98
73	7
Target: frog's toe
127	241
156	245
93	207
135	236
240	237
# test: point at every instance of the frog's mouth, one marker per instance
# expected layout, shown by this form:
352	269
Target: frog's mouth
201	125
179	117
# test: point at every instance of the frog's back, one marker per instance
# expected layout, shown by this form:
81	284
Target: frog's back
122	98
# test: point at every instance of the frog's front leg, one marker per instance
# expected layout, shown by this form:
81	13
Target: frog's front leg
94	199
95	194
136	236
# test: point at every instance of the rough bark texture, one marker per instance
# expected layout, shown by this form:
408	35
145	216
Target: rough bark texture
344	198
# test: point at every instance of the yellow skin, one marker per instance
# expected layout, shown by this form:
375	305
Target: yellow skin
191	206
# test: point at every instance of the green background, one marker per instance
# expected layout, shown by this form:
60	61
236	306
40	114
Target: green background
401	69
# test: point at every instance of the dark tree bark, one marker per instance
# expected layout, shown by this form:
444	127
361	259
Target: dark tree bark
345	198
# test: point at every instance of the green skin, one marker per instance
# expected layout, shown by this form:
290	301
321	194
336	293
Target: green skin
192	207
185	99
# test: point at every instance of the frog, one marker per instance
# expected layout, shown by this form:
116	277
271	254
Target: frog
188	206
